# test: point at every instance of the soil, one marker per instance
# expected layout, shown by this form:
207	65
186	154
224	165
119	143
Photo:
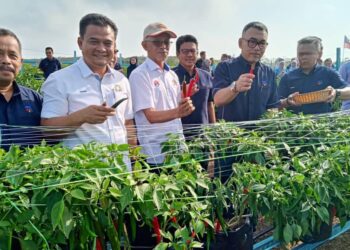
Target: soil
342	242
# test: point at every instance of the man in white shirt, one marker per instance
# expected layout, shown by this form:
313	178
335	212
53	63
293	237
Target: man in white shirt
155	88
81	95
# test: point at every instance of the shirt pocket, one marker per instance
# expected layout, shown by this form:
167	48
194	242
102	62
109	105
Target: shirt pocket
82	98
264	90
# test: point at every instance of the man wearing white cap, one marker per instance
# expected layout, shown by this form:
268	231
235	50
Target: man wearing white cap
156	95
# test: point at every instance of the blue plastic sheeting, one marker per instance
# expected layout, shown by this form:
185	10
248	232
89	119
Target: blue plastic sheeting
270	243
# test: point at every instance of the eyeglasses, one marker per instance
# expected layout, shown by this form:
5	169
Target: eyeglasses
188	51
253	42
159	43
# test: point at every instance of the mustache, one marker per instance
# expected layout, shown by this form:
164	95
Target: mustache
7	68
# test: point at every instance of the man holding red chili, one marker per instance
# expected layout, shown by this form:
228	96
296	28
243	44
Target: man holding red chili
244	88
187	51
156	94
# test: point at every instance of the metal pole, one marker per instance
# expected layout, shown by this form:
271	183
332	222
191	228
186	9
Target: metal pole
337	64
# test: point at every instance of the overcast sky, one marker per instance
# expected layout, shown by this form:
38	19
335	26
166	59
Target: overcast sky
217	24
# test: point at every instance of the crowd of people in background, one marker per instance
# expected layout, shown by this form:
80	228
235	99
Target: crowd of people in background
94	101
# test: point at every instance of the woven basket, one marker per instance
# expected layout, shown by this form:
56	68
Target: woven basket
312	97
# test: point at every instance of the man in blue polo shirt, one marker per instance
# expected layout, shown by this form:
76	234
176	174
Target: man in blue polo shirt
204	113
50	64
311	77
344	72
19	106
244	88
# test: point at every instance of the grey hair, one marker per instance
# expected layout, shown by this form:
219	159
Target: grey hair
6	32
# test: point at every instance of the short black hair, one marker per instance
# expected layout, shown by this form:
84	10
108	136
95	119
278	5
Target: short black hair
98	20
132	58
6	32
314	41
49	48
255	25
185	39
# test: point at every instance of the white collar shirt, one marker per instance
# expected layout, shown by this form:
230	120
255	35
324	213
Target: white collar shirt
153	87
77	87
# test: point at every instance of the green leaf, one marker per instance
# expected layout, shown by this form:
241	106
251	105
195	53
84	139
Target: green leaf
266	202
201	183
323	214
4	223
305	207
105	184
296	231
199	227
28	245
299	178
191	191
115	192
171	187
287	233
126	197
209	222
78	194
162	246
156	199
57	213
258	187
123	147
66	224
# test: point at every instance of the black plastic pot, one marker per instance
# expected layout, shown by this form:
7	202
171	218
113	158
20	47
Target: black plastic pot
237	239
324	233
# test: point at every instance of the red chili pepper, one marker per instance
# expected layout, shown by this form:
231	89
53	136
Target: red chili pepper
334	211
115	223
245	191
206	224
252	67
193	81
173	219
156	229
98	244
193	234
188	242
217	226
184	89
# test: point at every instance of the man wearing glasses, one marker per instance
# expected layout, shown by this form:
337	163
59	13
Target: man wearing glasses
155	88
187	51
310	77
245	88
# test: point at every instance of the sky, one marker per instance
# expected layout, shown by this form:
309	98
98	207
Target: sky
217	24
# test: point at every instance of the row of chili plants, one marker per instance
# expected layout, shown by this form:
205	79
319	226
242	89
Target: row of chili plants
290	171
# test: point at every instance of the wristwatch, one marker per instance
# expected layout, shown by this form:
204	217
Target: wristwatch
233	87
337	93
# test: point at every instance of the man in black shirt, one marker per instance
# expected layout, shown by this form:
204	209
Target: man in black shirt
50	64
